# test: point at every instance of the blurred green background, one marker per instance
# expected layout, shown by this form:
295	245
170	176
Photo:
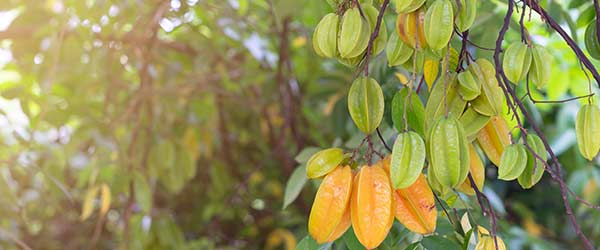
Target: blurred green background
146	124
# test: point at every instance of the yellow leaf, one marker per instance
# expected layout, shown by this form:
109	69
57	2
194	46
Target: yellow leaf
281	236
531	227
299	42
88	203
482	231
105	198
464	222
430	71
190	143
402	78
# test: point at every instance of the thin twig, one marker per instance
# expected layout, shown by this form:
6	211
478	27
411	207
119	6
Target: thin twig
383	141
374	34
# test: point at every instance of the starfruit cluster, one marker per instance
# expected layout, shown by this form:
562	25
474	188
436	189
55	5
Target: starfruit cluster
438	144
365	199
521	60
345	34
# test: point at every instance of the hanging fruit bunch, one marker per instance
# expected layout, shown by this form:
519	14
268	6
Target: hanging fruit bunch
442	143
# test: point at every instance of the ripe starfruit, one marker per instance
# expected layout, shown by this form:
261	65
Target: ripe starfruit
415	207
477	171
371	205
410	28
330	213
493	138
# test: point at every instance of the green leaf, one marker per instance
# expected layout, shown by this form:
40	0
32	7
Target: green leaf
308	243
467	239
351	241
438	242
294	185
143	194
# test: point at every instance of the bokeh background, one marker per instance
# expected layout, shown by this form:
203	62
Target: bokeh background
156	124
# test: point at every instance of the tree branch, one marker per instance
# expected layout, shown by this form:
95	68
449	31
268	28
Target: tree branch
374	35
505	84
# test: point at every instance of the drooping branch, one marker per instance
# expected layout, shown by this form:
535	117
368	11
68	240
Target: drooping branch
505	84
375	34
486	208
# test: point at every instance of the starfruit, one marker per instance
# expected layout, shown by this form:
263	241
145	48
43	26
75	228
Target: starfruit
512	162
492	99
540	70
591	40
330	213
315	42
477	171
535	167
326	34
493	138
380	41
516	62
435	184
431	68
452	59
415	207
473	122
486	241
410	28
468	87
351	62
449	152
371	205
439	24
397	52
465	14
411	107
406	6
587	130
354	34
408	158
323	162
365	103
444	97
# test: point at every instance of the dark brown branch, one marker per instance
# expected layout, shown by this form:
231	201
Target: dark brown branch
374	35
439	201
597	9
473	43
486	209
505	84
